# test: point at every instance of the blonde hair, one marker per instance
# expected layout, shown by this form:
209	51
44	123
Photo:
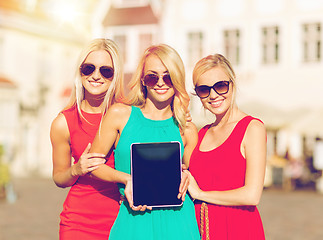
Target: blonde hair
115	92
212	61
174	64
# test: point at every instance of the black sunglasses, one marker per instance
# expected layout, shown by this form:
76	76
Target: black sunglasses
87	69
151	80
220	88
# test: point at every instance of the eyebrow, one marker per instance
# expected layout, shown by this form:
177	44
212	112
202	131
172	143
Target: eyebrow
213	84
106	65
157	72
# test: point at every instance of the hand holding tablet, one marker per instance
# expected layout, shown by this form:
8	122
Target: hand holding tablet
156	174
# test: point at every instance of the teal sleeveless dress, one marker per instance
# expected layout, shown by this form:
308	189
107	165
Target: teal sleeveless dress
160	223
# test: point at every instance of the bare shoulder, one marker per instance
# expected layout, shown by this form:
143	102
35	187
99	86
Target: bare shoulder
257	125
190	133
59	127
117	115
256	128
120	110
190	129
59	123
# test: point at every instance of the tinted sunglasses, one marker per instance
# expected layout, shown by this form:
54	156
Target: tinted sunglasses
220	88
87	69
151	80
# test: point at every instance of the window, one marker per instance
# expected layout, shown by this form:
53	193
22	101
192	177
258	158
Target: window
232	45
195	47
145	40
270	45
312	42
121	42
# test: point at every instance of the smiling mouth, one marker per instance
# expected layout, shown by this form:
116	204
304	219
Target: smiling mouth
161	90
216	103
95	84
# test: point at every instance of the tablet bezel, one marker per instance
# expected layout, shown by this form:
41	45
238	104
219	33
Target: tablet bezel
152	145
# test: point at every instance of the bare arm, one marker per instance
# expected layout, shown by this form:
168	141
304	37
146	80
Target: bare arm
190	139
64	173
112	125
61	153
254	145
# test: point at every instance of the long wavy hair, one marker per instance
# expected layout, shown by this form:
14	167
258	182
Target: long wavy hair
115	92
174	64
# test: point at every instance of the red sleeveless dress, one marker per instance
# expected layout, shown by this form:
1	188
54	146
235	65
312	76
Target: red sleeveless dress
220	169
91	205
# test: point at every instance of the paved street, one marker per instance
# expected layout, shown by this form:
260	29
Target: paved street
294	215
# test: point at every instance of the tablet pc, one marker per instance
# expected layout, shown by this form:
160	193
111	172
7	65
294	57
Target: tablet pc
156	171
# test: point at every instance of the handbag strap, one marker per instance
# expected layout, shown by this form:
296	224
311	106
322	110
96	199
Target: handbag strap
204	221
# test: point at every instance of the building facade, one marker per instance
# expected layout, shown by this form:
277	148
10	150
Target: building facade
38	55
274	46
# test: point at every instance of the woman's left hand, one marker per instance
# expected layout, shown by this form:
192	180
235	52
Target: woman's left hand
193	187
128	195
184	183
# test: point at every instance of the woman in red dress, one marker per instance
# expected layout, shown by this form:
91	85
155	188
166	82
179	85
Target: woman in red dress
91	205
228	164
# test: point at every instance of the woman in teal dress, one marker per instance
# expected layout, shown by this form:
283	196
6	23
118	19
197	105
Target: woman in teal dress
155	112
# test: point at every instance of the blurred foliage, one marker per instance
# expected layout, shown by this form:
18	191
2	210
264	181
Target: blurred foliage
4	169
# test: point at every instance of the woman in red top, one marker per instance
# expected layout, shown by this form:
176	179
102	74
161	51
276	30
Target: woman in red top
91	205
228	164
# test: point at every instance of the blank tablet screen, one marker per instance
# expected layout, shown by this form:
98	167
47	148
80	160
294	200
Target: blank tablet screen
156	173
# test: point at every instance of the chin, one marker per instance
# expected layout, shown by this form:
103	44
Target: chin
97	92
217	110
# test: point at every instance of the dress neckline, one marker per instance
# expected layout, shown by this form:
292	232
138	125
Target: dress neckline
233	130
160	123
91	119
90	114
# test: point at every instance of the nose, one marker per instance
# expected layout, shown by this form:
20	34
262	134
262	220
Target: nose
96	75
213	94
160	81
